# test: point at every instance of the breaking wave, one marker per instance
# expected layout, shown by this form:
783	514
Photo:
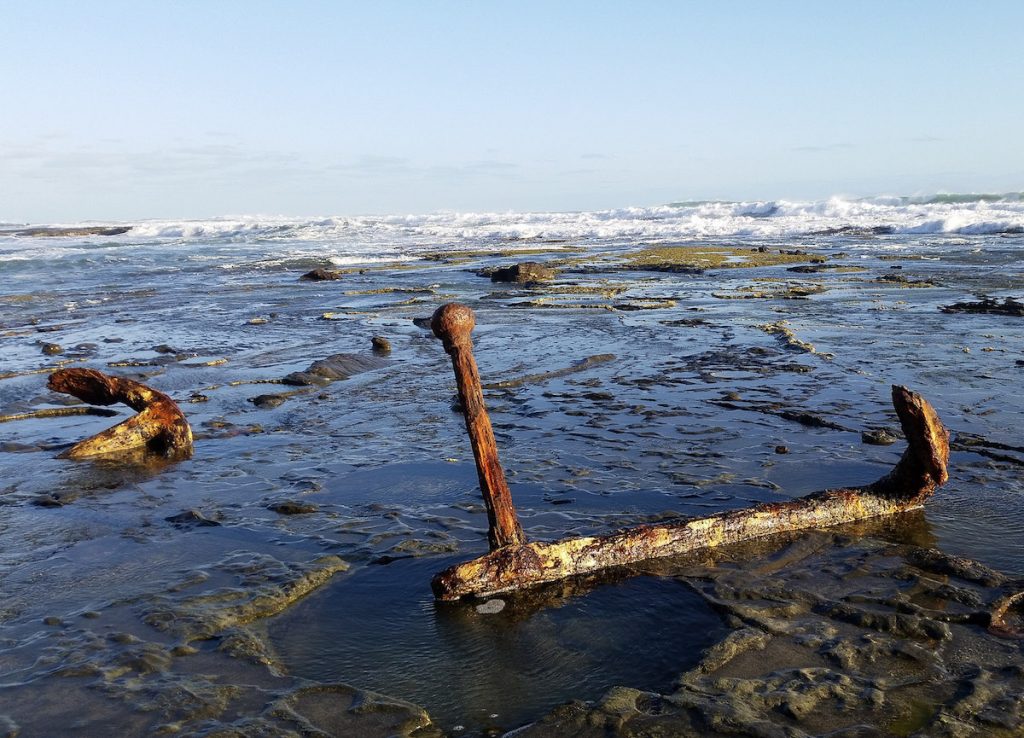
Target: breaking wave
401	236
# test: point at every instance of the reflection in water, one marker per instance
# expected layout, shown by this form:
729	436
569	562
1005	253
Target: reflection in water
381	629
94	476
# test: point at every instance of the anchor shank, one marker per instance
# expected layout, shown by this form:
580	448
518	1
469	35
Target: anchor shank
452	323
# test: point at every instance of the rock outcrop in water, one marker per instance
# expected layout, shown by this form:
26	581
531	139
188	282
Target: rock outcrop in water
159	427
525	272
70	232
1008	306
320	275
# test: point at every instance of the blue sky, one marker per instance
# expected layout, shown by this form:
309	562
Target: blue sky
191	109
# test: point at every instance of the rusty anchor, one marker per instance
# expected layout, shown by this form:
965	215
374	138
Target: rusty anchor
513	563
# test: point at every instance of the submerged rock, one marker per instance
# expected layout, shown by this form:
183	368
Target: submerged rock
338	366
809	419
190	519
824	645
879	437
340	710
491	607
268	402
293	507
264	586
381	345
163	348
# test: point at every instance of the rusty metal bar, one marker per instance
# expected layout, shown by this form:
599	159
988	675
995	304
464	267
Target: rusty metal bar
452	323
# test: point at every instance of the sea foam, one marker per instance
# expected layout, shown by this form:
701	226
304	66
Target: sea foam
405	235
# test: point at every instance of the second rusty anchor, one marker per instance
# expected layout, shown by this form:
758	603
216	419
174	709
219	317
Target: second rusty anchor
453	323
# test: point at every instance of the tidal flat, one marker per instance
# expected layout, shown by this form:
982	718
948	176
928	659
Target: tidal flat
278	582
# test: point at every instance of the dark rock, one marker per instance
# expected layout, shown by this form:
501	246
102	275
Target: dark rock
268	402
338	366
75	231
900	279
524	272
163	348
84	349
52	499
198	397
13	447
685	322
381	345
422	323
938	562
819	267
851	230
879	437
190	519
1009	306
809	419
292	507
782	449
320	275
51	349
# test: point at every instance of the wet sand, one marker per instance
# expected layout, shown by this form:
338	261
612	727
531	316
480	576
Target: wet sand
121	606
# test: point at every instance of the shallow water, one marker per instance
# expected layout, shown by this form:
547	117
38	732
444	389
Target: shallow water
479	670
683	421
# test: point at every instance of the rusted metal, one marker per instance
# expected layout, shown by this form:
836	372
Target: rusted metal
452	323
516	564
58	412
1002	624
159	426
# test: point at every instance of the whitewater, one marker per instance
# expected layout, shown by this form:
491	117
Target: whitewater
368	238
